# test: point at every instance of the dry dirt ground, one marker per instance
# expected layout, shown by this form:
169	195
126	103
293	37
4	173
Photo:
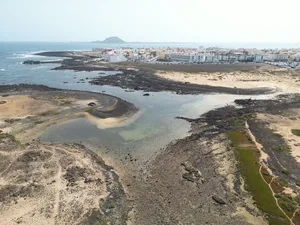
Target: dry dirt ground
49	184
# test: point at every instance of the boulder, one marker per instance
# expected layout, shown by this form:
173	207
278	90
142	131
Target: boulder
92	104
243	101
192	174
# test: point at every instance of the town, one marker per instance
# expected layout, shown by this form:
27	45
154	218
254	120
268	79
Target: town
286	58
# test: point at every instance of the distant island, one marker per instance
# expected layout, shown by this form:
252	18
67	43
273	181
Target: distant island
113	40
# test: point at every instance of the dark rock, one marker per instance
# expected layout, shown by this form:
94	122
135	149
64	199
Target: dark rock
31	62
192	174
92	104
65	82
189	177
10	121
243	101
146	94
2	102
218	200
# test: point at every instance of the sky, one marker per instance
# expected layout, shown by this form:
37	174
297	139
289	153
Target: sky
252	21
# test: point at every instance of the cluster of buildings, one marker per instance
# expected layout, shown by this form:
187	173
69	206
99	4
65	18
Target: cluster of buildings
197	55
127	54
220	55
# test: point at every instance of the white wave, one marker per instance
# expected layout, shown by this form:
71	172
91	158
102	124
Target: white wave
39	67
25	55
2	70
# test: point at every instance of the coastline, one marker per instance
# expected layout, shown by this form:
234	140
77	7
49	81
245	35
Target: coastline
178	182
143	77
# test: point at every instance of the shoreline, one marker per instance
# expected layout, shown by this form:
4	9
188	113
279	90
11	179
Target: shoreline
144	77
204	174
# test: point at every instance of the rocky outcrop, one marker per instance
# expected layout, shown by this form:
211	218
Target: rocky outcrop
31	62
192	174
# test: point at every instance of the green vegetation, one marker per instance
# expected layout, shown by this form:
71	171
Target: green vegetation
90	111
286	171
277	134
111	204
247	156
39	122
281	148
297	199
237	123
287	203
249	116
296	132
48	113
280	181
11	138
102	221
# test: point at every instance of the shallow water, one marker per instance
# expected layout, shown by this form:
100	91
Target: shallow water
154	127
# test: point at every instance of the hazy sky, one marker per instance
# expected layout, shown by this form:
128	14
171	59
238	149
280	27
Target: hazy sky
151	20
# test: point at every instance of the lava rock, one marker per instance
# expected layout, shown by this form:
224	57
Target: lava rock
243	101
92	104
31	62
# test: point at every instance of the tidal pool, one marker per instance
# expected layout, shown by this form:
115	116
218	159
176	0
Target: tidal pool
154	127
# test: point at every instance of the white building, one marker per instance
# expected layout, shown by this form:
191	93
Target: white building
116	58
258	58
179	57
